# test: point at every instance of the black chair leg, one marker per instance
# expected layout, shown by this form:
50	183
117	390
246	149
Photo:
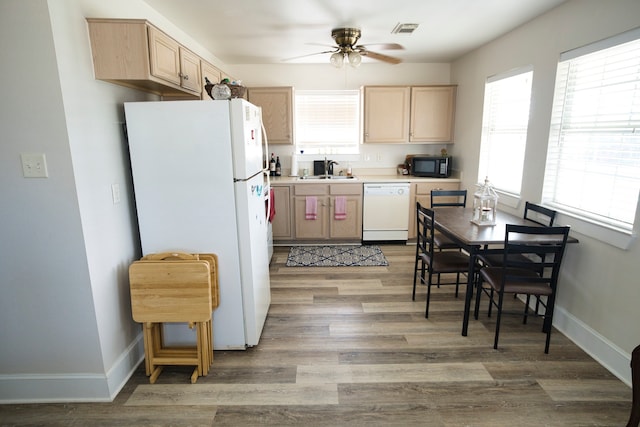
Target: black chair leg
634	418
426	310
547	341
498	318
478	295
490	303
415	273
526	309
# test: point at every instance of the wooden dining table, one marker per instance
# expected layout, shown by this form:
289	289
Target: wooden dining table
455	223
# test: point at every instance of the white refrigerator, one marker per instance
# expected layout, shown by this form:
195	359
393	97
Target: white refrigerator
200	187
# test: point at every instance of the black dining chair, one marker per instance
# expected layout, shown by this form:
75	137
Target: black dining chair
535	213
447	198
432	261
543	249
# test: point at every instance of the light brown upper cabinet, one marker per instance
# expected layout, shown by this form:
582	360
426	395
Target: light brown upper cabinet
134	53
212	73
386	113
277	111
432	113
401	114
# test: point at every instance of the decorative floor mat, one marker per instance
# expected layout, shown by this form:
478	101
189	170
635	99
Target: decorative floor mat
336	256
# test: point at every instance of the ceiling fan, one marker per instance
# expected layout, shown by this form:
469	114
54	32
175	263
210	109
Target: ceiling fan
347	48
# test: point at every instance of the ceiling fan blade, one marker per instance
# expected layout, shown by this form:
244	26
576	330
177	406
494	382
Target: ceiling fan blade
322	44
311	54
384	46
381	57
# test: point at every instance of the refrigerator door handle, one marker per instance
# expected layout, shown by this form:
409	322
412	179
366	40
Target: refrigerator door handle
247	179
266	170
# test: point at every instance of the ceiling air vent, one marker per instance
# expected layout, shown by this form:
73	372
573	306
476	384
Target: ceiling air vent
404	28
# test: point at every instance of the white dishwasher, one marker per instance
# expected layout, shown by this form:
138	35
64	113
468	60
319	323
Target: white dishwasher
385	211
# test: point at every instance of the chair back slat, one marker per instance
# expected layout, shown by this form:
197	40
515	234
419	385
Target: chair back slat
448	198
543	216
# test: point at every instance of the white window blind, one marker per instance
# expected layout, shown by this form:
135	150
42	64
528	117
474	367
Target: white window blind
593	161
327	121
504	129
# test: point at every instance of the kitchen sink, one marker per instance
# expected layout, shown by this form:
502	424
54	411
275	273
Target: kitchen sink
331	177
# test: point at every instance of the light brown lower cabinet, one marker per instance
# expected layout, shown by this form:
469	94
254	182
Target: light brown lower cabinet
282	220
325	226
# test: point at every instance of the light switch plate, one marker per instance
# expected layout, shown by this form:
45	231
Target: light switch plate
34	165
115	193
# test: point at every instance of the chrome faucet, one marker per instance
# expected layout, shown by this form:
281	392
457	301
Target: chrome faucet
327	165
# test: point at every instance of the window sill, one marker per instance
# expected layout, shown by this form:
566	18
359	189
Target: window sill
620	239
508	199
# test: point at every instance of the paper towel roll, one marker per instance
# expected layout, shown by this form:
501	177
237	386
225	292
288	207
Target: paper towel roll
294	165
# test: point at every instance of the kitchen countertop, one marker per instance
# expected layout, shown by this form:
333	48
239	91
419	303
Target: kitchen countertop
287	180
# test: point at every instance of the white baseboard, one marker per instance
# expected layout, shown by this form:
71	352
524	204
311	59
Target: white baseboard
614	359
47	388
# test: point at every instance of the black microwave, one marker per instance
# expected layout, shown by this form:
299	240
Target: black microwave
431	166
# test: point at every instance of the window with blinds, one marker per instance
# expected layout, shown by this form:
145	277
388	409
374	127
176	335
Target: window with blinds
593	160
327	121
504	129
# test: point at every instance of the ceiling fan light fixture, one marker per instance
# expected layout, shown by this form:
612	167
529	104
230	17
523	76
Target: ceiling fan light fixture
337	59
354	59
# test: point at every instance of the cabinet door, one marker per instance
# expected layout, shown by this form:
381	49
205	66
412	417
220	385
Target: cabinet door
282	220
351	226
120	49
277	112
315	229
212	73
190	70
386	114
432	113
164	55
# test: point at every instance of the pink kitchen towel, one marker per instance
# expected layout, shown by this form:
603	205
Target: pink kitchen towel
340	211
311	208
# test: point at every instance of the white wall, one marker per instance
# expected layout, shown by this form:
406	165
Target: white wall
66	331
46	311
599	291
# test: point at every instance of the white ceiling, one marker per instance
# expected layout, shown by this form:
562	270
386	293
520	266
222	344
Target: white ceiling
271	31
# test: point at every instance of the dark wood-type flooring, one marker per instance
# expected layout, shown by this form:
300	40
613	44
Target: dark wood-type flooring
347	347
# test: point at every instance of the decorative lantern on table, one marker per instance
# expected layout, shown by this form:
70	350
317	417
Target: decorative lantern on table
485	201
